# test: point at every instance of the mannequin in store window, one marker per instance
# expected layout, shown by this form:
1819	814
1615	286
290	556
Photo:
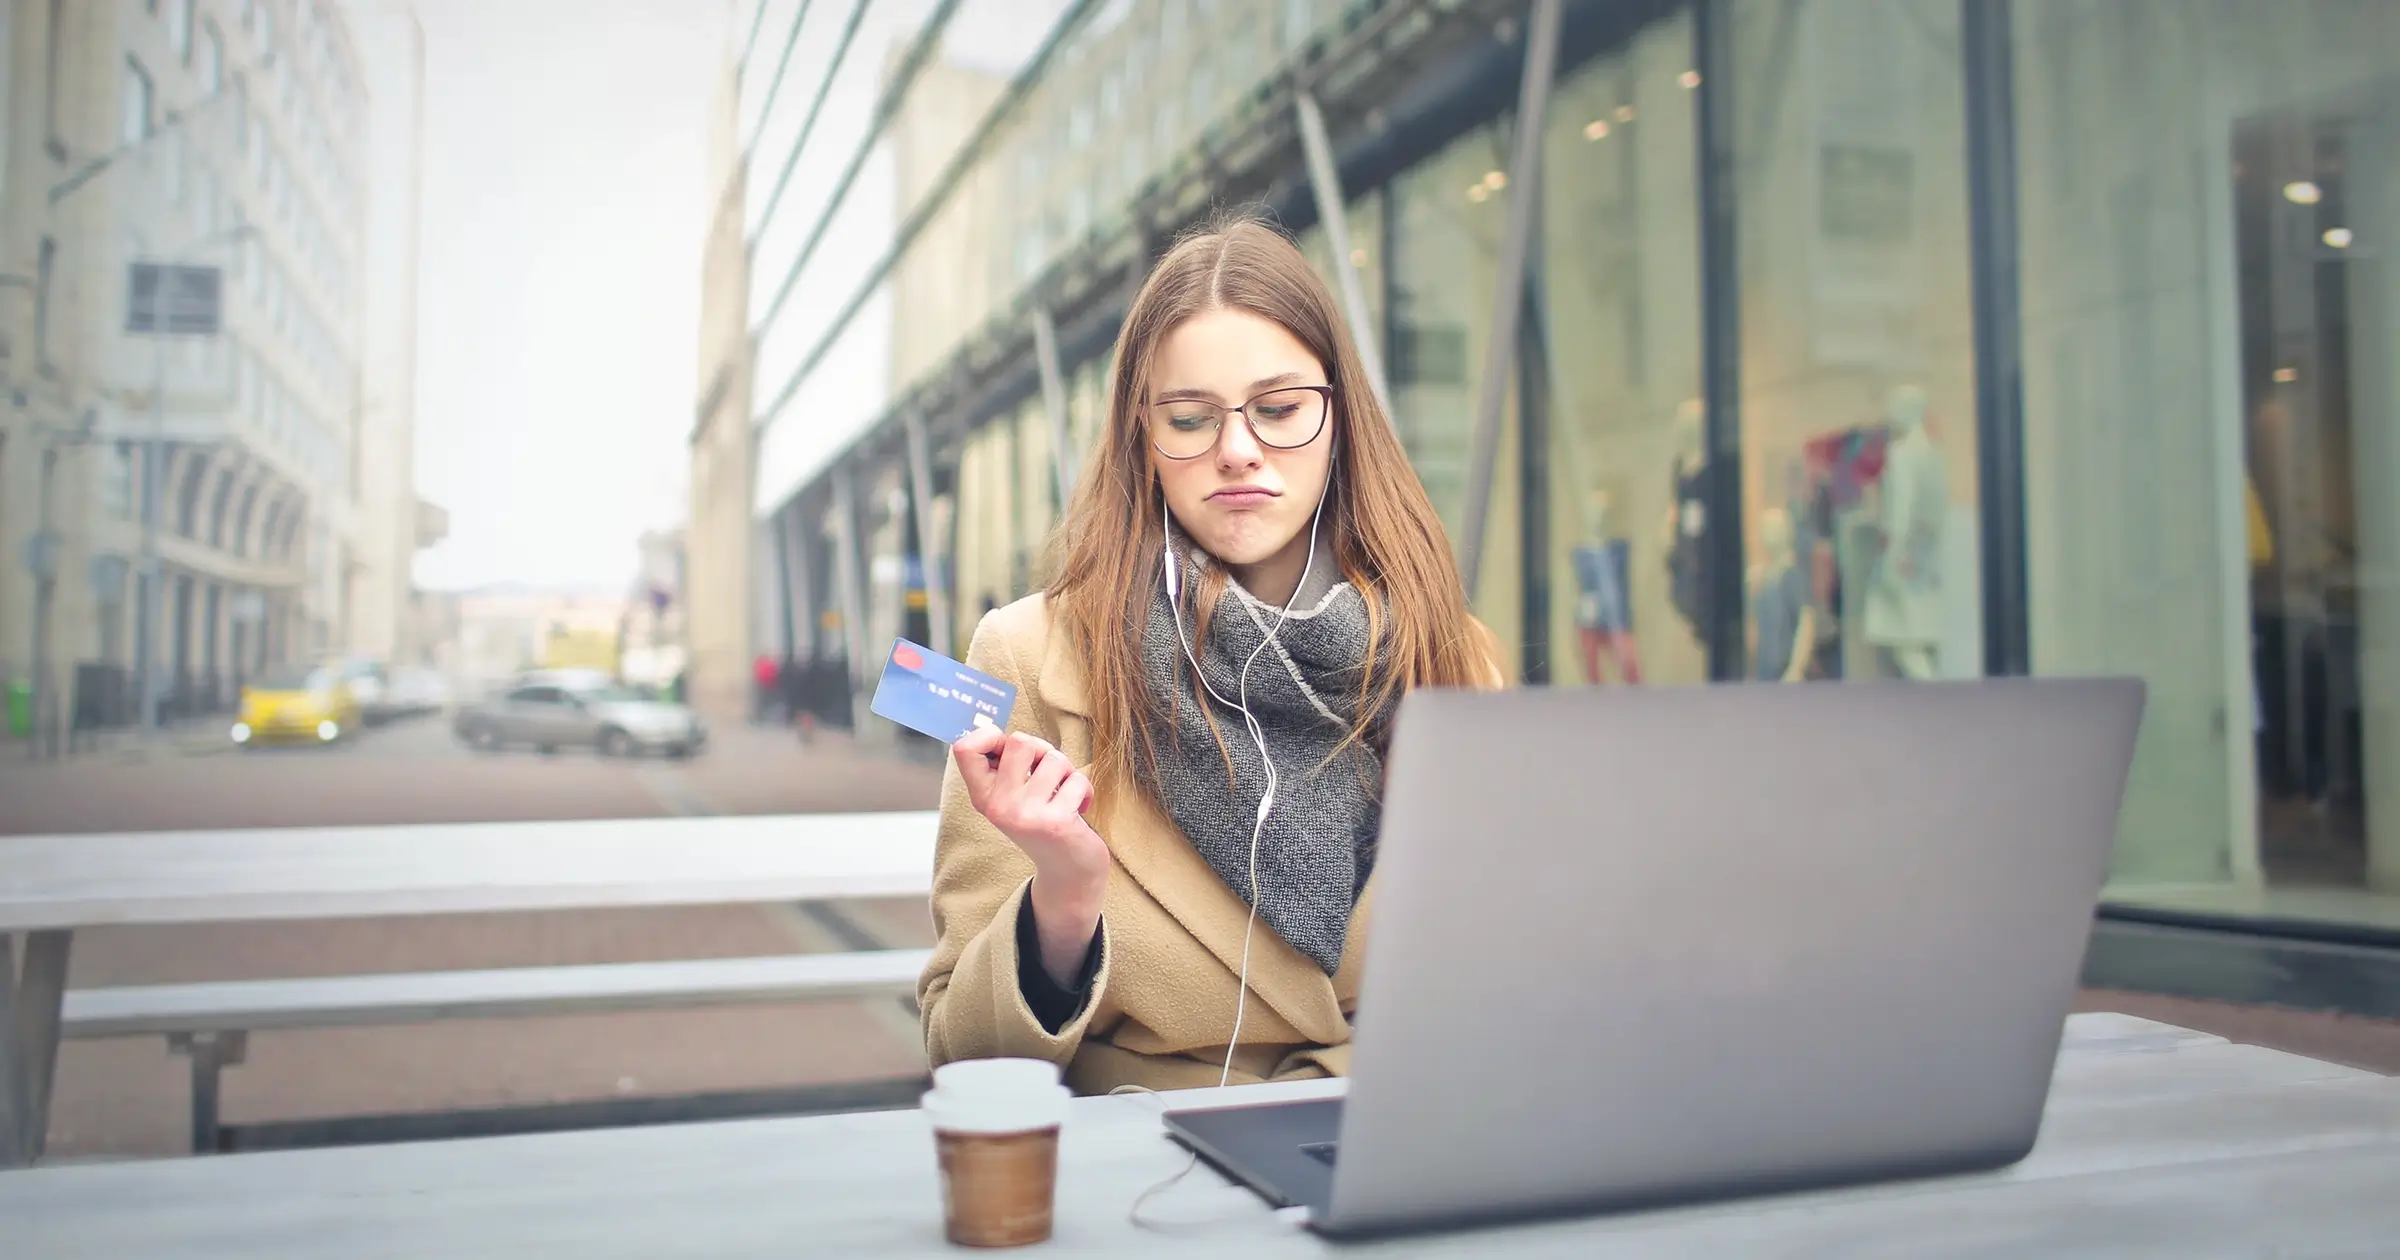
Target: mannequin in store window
1604	603
1809	501
1904	598
1783	614
1685	530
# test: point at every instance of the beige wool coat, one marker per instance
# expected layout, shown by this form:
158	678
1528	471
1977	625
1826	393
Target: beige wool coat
1161	1004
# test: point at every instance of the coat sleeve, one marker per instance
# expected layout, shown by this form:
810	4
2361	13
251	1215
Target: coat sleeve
971	1002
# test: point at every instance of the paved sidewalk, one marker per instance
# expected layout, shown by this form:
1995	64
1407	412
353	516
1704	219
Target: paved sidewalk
767	770
2372	1044
195	737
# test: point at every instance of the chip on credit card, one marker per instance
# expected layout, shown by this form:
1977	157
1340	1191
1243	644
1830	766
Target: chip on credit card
937	697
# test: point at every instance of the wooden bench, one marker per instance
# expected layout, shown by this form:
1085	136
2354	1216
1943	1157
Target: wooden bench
210	1022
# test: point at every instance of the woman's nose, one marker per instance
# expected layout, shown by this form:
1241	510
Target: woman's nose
1237	446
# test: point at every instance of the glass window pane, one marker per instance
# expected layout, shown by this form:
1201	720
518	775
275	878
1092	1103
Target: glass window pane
134	125
1619	281
1857	356
2208	197
1363	223
1448	218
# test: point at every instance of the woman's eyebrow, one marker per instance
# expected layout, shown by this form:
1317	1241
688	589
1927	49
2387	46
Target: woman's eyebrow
1210	395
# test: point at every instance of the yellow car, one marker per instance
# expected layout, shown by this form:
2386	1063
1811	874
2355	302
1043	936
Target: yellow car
298	703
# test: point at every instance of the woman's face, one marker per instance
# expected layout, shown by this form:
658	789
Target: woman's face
1246	502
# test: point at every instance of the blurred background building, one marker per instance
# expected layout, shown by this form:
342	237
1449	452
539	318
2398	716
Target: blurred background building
262	462
1873	340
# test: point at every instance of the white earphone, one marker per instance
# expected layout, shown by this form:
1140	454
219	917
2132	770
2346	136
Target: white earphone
1258	736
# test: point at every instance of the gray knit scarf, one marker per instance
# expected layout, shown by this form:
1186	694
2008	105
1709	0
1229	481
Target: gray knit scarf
1314	856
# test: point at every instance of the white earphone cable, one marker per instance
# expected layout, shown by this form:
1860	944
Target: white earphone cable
1266	801
1250	723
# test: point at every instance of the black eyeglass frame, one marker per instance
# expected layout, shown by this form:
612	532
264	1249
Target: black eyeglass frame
1223	413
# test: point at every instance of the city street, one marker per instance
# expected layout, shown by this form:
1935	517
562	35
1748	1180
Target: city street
415	771
129	1098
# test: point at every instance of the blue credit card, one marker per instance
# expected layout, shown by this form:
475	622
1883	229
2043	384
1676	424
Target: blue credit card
935	696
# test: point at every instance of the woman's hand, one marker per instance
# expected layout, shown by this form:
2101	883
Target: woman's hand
1037	798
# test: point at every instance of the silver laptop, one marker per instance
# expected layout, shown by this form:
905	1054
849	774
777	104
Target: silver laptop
1652	945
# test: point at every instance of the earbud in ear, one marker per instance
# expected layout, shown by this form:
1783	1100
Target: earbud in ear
1166	551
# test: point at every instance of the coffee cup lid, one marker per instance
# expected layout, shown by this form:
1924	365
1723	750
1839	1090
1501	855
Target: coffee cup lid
996	1078
1015	1113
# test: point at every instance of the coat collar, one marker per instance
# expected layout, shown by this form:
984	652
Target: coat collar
1061	680
1171	872
1166	866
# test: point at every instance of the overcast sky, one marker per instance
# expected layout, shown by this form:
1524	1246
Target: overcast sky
565	202
564	206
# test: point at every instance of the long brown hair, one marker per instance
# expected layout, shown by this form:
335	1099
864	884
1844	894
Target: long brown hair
1385	534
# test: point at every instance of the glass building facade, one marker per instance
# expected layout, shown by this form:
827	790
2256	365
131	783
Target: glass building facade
1861	340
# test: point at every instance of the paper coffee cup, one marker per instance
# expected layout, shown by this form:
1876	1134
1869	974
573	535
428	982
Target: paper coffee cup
995	1129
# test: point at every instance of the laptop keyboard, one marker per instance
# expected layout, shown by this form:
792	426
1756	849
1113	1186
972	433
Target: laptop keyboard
1323	1151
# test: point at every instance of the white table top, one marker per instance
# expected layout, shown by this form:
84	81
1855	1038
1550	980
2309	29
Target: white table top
73	881
2158	1142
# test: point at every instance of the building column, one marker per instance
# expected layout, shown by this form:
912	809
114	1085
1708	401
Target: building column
1500	348
212	644
799	586
282	609
2374	155
180	619
1333	214
930	548
241	645
1054	405
849	547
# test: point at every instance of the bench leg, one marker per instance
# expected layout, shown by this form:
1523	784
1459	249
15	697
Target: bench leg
211	1054
29	1008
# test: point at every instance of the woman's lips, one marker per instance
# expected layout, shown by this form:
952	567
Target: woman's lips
1241	496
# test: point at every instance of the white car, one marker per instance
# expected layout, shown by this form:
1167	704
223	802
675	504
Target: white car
613	718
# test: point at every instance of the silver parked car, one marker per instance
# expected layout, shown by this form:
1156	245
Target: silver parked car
551	714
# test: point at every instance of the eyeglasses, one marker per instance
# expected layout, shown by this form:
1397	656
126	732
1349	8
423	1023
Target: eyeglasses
1293	416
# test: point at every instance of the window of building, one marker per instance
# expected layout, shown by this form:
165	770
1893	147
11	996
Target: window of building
179	28
1858	404
1031	254
133	126
1299	22
1617	359
45	268
1079	210
54	52
116	481
2208	204
212	59
1446	232
1163	125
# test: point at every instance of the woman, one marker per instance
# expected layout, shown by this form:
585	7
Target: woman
1092	878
